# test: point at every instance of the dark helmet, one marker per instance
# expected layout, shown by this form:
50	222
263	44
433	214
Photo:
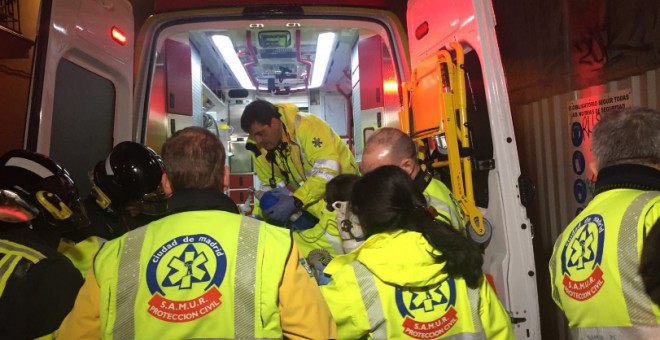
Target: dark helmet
131	172
33	186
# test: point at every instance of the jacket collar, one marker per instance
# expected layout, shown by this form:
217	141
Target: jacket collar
422	180
202	199
627	176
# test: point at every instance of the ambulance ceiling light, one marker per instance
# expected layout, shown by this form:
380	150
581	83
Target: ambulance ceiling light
226	48
323	50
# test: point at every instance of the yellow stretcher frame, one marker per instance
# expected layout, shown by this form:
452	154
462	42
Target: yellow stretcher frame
451	97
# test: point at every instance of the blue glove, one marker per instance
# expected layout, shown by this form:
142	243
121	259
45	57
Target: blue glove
278	204
320	277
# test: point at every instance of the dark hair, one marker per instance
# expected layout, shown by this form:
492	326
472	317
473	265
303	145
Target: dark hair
649	267
339	189
194	159
386	199
259	111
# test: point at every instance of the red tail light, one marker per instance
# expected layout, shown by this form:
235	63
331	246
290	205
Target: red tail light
118	36
422	30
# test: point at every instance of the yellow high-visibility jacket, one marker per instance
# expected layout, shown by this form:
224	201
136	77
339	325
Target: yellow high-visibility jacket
441	198
594	267
82	253
313	156
200	274
392	288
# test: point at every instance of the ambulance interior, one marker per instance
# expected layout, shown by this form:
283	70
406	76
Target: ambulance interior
347	72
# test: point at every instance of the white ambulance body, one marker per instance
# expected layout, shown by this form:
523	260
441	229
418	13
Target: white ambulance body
96	83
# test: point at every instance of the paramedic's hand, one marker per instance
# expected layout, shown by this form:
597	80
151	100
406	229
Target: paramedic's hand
283	207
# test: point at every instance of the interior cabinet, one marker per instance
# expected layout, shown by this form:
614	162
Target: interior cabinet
178	61
370	56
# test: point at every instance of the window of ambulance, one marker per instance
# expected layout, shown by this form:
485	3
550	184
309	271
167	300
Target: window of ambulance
83	114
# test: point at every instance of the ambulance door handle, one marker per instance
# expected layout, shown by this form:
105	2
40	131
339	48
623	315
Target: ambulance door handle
379	119
171	100
378	95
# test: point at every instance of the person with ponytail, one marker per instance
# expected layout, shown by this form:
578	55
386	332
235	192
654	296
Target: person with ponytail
415	277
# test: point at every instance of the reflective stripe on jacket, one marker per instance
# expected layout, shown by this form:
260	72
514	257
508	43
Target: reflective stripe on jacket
378	293
198	274
440	197
12	253
594	267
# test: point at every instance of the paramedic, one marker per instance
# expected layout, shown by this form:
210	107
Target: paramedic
390	146
203	271
38	285
595	261
435	290
294	150
126	194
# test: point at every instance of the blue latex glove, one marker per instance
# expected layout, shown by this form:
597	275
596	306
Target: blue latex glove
321	278
278	204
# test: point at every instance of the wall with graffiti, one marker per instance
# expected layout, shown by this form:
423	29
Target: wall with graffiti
552	47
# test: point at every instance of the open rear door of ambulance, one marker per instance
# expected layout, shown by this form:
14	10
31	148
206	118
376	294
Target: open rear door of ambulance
81	87
456	68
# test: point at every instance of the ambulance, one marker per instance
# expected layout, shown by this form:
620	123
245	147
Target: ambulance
431	68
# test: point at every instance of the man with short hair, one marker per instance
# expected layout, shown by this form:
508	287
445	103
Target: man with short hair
203	271
297	151
390	146
594	265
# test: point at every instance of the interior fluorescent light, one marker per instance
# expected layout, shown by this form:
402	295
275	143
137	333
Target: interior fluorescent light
226	48
323	49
